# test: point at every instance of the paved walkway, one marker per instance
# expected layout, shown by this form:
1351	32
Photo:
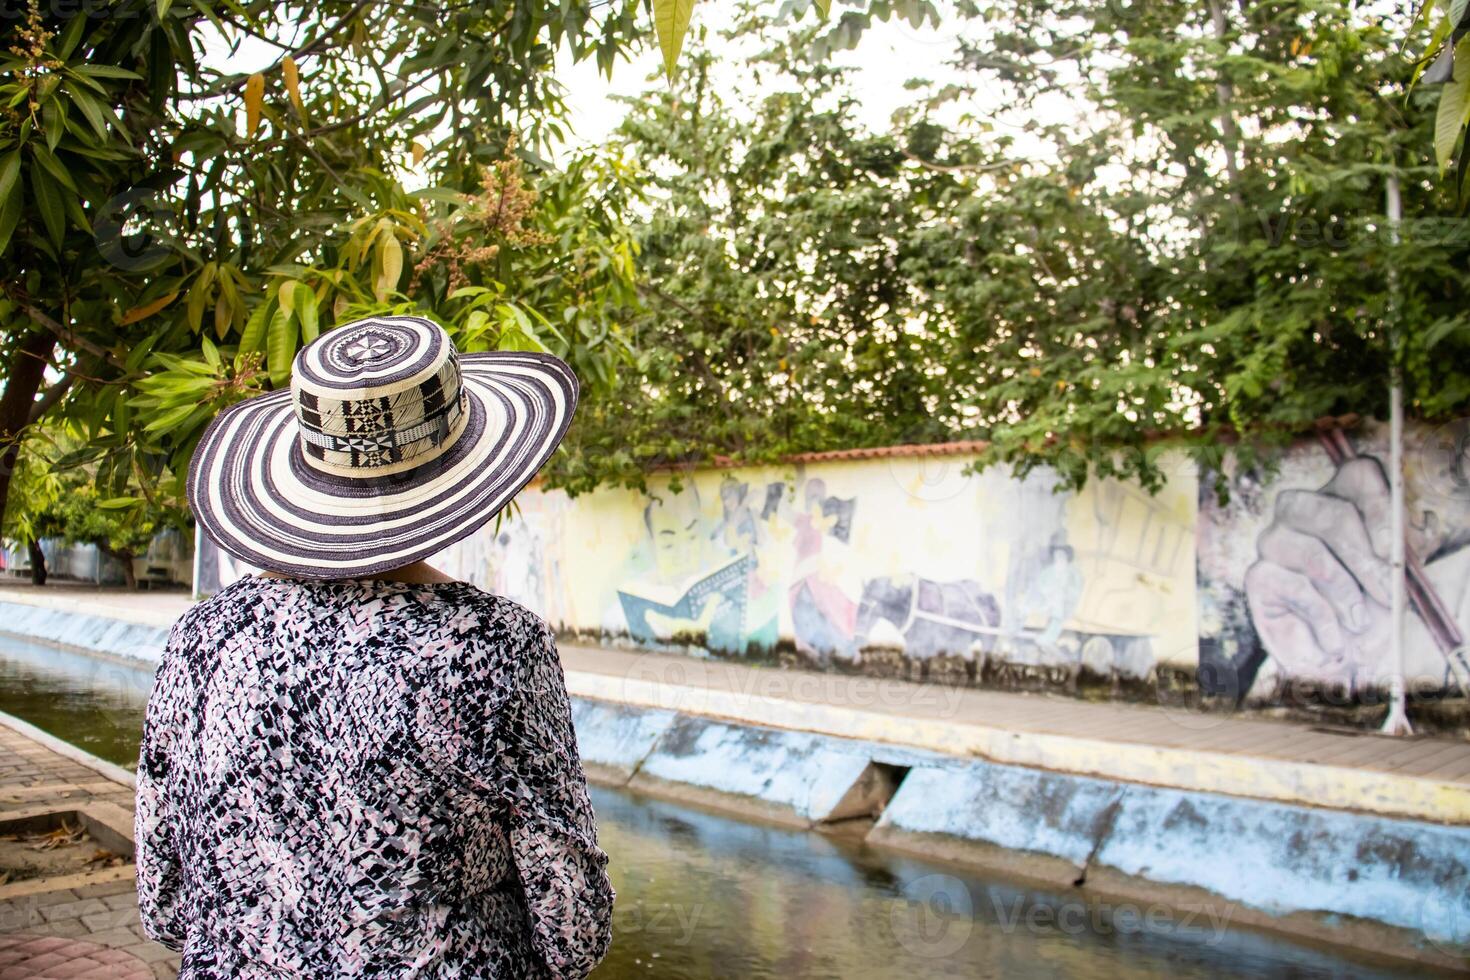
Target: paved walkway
1425	778
78	925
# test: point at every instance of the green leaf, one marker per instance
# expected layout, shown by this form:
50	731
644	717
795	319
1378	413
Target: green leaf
253	338
1454	108
94	111
53	166
199	294
48	200
211	352
9	172
281	347
169	419
824	7
305	307
671	21
10	208
71	36
162	8
117	503
106	71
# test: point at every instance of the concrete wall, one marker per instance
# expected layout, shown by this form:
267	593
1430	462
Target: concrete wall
904	566
907	566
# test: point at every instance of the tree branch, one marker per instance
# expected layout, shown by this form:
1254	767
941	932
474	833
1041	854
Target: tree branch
309	48
52	395
62	333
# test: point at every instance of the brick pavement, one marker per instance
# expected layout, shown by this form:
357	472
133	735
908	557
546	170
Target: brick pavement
87	926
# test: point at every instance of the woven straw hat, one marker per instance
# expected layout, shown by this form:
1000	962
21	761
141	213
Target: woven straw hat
388	446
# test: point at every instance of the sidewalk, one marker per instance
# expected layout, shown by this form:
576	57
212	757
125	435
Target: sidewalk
1425	778
81	925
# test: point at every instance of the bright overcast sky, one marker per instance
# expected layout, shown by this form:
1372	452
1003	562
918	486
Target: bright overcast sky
889	54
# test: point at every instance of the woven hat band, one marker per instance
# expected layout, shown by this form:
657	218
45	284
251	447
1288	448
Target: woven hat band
379	429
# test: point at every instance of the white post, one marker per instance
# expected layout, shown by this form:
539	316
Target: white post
1397	722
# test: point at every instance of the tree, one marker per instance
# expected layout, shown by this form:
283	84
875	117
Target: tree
1447	63
778	313
171	231
1194	254
1242	155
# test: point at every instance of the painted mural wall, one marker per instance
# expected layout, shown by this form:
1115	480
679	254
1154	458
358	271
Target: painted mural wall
898	566
1294	573
907	566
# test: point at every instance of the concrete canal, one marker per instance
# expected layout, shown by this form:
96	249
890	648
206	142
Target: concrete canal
704	896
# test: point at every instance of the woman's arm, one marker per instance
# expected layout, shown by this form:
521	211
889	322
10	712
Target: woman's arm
523	756
553	833
159	875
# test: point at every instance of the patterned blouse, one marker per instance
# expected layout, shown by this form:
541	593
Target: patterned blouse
366	779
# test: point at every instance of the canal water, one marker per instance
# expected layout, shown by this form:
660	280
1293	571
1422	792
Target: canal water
705	897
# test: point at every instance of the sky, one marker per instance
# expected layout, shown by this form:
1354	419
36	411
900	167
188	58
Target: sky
889	54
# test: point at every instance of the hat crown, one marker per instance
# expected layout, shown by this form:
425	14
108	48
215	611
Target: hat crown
378	396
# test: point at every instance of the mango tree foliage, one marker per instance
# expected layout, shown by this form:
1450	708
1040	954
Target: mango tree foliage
172	228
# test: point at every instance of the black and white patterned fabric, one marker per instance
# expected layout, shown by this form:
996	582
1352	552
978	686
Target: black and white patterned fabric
388	446
366	779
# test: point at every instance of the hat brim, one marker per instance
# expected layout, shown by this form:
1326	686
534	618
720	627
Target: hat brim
254	493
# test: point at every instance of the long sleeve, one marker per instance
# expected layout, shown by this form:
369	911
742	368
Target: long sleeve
159	875
532	766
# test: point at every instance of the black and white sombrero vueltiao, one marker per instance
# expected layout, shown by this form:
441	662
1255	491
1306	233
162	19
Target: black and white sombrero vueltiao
387	447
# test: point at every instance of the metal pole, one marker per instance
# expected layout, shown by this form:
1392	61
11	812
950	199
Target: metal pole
1397	722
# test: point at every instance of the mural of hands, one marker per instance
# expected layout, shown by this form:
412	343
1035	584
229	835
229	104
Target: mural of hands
1319	594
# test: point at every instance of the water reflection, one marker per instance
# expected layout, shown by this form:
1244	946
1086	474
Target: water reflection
704	897
92	703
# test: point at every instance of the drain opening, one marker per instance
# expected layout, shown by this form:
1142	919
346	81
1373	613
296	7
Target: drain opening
869	794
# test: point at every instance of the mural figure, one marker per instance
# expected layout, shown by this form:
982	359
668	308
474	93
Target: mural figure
1045	588
927	618
823	618
1318	593
685	582
1294	573
742	534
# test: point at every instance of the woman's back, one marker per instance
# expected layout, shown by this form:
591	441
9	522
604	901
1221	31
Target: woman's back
366	778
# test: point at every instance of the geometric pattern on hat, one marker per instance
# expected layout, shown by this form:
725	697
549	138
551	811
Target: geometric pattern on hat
388	447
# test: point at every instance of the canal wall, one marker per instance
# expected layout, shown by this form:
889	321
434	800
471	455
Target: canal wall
1396	887
1258	855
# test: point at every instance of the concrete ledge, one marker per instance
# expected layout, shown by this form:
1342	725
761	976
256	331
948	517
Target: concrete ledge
111	771
1197	770
157	609
71	629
